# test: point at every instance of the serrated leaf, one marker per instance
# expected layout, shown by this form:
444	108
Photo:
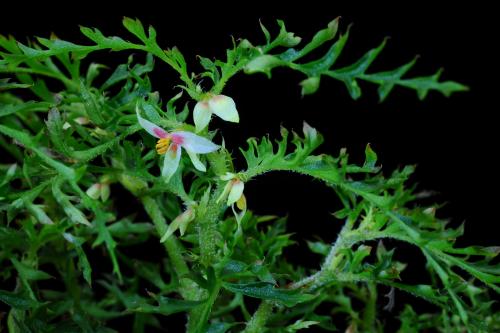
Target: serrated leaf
21	108
263	64
83	262
73	213
5	84
319	39
349	75
17	300
300	324
125	71
319	247
166	306
370	157
28	273
135	27
27	141
266	33
264	290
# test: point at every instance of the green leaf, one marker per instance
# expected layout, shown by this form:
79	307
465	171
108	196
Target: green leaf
38	213
167	306
263	64
103	42
125	71
104	234
350	75
91	153
263	156
319	247
135	27
54	47
359	255
300	324
83	261
17	300
388	79
73	213
370	157
6	85
427	292
265	290
319	39
426	83
28	273
28	142
9	174
55	127
93	108
267	35
220	327
285	38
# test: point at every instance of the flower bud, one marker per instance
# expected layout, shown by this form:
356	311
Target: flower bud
236	191
181	222
310	85
94	191
105	192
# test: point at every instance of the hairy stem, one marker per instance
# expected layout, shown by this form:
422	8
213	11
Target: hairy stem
329	265
258	321
370	313
199	316
207	233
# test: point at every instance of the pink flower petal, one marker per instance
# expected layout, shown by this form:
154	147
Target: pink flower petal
151	128
194	143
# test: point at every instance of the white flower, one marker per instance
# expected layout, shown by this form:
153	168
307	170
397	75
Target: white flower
234	191
220	105
171	144
99	190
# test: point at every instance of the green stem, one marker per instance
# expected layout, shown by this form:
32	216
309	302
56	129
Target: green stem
370	313
331	262
199	316
258	321
207	233
188	288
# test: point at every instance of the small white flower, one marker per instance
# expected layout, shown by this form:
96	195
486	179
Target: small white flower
220	105
94	191
233	191
170	144
99	190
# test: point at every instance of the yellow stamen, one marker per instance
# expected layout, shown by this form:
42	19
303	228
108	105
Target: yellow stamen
162	145
242	203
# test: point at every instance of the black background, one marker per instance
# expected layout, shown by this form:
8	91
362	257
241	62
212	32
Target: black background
453	141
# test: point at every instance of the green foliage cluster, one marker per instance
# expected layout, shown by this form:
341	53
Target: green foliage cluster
71	129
